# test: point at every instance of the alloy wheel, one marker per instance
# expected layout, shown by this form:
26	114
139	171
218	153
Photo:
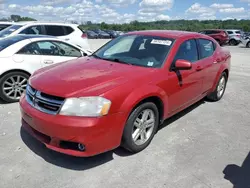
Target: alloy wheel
221	87
143	127
14	86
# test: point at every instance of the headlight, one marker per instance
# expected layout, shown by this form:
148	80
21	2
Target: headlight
86	106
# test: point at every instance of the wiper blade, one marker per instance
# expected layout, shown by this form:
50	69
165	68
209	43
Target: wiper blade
110	59
96	56
119	61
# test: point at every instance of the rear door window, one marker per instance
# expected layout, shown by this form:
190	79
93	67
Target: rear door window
206	48
54	30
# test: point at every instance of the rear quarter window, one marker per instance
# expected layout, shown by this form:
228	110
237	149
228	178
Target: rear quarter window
54	30
68	30
206	48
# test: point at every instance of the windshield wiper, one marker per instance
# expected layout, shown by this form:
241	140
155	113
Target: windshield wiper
110	59
119	61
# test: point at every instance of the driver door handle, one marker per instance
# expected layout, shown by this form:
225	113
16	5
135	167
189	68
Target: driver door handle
48	61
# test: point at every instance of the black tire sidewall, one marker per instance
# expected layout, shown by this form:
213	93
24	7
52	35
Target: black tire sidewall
3	79
233	42
127	140
216	96
248	45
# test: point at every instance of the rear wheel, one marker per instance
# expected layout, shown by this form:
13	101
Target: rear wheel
140	127
248	45
12	86
233	42
219	91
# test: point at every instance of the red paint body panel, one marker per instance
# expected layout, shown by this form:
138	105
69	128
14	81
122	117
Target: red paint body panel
97	134
124	85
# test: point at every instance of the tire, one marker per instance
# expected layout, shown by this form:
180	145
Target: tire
215	95
218	42
128	141
248	45
233	42
5	83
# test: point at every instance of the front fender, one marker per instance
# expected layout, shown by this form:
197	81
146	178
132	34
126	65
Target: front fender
141	93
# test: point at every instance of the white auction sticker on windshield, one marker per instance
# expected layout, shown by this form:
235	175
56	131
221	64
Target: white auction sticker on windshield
150	63
162	42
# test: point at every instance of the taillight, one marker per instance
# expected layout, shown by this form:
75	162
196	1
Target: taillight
224	34
84	35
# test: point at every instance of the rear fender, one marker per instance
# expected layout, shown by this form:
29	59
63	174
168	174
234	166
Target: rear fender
223	67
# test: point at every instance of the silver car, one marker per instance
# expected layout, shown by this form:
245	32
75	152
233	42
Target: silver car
246	42
235	36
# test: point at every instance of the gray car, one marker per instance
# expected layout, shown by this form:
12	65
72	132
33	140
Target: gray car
235	36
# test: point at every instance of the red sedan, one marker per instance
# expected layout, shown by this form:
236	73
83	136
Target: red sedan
120	94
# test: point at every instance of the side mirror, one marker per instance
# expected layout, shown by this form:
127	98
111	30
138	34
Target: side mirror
181	64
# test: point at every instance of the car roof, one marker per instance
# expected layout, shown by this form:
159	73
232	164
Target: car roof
23	36
213	30
165	33
41	23
233	30
7	22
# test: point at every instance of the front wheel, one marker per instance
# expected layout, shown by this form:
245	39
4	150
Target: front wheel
140	127
12	86
219	91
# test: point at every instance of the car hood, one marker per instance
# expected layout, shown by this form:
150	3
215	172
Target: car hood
85	76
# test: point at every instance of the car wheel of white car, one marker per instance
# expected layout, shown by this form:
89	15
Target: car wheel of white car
12	86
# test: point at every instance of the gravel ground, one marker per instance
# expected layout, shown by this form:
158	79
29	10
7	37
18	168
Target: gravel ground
193	149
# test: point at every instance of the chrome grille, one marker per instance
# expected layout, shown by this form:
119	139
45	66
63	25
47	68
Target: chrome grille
43	102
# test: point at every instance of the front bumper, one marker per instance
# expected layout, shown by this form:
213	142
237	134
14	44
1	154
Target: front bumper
244	42
98	135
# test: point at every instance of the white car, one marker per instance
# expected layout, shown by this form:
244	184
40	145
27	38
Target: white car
4	25
68	32
22	55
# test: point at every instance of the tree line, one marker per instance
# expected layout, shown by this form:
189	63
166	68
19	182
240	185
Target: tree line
187	25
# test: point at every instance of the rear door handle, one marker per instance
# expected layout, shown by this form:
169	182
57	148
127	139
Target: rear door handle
199	68
48	61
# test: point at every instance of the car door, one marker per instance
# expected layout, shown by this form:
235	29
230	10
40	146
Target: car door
184	86
56	52
30	54
208	56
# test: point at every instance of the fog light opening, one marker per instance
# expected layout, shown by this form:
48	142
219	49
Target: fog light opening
81	147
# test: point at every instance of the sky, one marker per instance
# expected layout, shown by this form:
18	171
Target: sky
124	11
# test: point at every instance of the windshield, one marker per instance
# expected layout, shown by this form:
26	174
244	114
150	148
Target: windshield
6	42
139	50
7	31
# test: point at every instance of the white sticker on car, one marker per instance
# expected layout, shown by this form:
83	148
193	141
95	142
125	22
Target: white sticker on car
150	63
162	42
